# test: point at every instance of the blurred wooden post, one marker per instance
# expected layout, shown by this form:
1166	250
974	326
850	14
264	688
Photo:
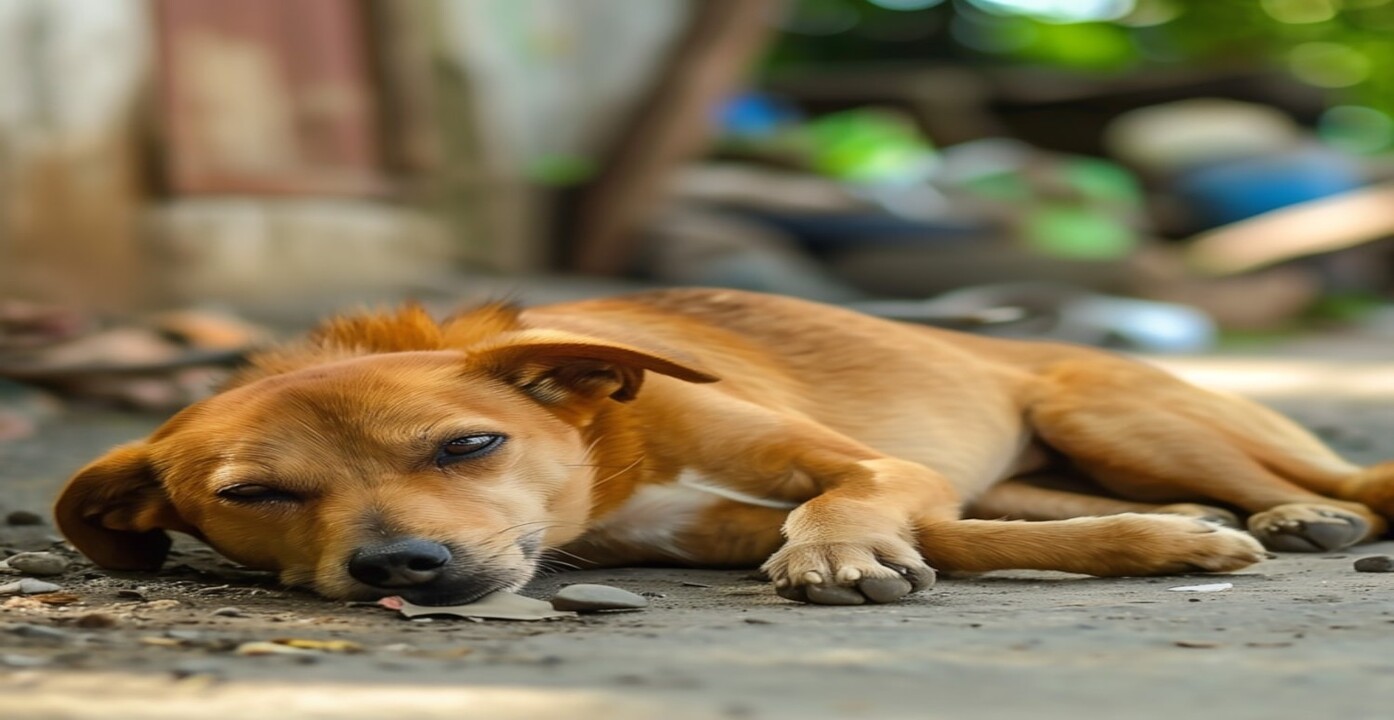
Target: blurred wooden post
672	125
406	79
71	181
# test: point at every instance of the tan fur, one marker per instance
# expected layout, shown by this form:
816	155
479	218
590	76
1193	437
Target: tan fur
721	428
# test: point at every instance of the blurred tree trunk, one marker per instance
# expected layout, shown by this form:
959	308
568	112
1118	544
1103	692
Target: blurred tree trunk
673	125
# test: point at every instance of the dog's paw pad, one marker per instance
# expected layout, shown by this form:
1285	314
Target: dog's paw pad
884	590
834	595
1308	528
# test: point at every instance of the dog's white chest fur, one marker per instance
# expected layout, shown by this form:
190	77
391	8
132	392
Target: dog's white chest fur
655	515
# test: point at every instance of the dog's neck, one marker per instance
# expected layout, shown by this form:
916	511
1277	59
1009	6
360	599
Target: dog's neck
619	457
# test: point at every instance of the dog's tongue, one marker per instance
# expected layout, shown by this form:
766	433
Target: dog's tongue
496	606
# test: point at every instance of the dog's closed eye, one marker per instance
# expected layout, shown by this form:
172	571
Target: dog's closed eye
253	493
468	447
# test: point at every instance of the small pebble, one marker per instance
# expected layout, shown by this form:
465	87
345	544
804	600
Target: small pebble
24	517
1375	564
28	586
592	598
228	612
39	563
190	668
95	621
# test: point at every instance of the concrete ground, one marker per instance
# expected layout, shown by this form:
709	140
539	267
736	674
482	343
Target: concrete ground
1296	636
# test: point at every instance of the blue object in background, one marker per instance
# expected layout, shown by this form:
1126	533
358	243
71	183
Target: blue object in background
754	115
1232	190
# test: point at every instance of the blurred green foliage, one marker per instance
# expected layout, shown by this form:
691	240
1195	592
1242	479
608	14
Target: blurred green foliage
1344	46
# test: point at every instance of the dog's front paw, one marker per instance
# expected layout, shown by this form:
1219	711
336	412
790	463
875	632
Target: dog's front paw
848	573
1166	545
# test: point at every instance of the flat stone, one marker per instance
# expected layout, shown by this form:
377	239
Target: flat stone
38	632
594	598
1375	564
28	586
24	517
39	563
16	660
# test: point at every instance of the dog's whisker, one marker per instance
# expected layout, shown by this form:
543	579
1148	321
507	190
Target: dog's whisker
549	524
572	555
601	481
553	565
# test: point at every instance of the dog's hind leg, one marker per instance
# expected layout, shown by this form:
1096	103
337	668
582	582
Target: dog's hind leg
1023	499
1148	436
1296	455
1118	545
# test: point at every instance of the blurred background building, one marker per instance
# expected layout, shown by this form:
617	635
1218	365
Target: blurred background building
1137	173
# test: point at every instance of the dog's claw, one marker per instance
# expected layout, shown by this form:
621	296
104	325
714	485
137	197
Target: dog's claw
919	576
791	592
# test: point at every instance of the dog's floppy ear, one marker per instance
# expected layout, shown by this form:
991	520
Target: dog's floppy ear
555	366
115	512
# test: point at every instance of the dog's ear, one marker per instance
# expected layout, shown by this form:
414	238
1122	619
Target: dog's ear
555	366
115	512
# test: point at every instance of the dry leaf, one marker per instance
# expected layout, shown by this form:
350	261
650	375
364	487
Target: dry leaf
270	648
334	646
496	606
57	598
1212	587
161	641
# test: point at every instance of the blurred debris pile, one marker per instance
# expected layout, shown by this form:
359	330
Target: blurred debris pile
883	155
161	362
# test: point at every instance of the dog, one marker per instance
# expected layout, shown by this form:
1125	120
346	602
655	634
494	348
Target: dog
847	456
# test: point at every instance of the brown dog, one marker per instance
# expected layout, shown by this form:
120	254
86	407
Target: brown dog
391	454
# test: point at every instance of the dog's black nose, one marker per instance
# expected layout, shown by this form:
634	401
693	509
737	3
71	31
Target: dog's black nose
399	563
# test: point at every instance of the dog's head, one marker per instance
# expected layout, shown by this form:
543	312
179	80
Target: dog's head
438	475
